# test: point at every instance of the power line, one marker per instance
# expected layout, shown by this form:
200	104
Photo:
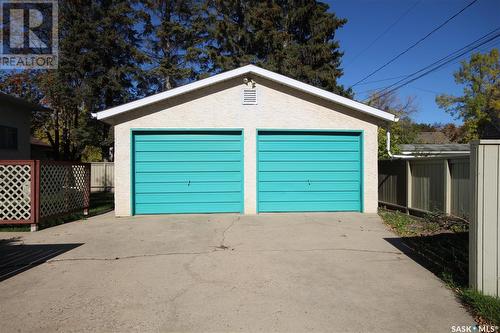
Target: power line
441	62
426	90
384	32
381	80
492	35
416	43
484	47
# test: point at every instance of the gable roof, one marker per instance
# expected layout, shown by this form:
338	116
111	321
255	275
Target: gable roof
248	69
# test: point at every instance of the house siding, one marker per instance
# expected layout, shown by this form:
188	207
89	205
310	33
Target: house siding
220	106
13	115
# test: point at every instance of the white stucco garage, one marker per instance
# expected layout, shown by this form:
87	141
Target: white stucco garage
249	141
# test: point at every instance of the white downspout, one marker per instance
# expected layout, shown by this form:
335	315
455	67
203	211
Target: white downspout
388	141
388	145
388	138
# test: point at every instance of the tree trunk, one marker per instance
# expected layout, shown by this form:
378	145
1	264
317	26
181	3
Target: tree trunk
56	142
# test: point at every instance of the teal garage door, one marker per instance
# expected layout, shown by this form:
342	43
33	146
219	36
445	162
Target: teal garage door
309	171
187	172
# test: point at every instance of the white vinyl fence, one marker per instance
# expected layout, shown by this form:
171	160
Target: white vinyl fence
102	177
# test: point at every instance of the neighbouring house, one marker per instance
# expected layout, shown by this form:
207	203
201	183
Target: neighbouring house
245	141
428	150
40	150
16	142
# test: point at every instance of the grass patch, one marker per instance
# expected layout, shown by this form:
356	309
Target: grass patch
14	228
406	225
440	244
486	306
100	203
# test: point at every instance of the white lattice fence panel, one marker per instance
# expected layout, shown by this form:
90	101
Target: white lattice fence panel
64	188
15	192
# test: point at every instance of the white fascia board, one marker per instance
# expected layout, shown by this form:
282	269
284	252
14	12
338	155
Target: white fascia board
323	93
170	93
249	69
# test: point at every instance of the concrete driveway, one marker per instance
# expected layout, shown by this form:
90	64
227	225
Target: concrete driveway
226	273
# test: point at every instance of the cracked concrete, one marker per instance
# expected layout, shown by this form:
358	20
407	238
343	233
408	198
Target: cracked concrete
225	273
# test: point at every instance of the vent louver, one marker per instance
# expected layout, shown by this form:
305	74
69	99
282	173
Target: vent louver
249	97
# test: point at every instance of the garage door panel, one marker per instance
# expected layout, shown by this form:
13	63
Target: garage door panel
153	177
291	137
193	156
181	208
193	197
304	176
308	146
170	146
188	172
317	206
188	187
187	166
309	166
297	196
293	156
309	171
310	186
188	136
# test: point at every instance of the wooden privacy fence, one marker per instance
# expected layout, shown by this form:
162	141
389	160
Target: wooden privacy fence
102	177
426	185
32	190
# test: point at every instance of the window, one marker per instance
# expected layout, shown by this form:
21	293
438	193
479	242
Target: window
8	137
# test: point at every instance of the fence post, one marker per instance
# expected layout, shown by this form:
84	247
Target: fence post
88	179
447	187
408	186
105	178
484	235
36	195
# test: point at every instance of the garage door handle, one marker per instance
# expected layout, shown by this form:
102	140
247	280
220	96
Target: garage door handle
309	182
189	182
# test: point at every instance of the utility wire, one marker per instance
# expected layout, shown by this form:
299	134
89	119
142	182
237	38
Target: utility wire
416	43
382	80
485	47
384	32
382	89
441	62
492	35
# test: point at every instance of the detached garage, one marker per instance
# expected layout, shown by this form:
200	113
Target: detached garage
245	141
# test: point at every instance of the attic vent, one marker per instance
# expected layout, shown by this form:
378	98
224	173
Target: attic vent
249	97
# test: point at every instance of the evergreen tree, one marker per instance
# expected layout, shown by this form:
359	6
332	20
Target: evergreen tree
294	38
171	42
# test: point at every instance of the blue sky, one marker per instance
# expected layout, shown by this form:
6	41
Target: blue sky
367	19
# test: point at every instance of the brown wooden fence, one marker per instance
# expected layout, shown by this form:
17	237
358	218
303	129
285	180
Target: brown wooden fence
32	190
426	185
